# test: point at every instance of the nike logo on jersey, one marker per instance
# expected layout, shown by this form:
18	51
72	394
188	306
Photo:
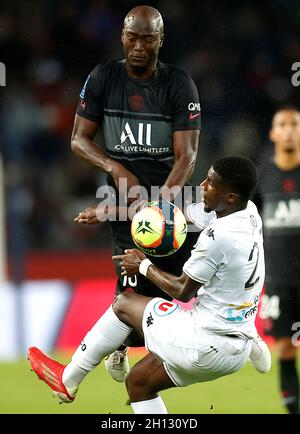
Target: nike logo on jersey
193	116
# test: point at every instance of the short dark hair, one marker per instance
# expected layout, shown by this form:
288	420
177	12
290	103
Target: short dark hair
239	173
288	108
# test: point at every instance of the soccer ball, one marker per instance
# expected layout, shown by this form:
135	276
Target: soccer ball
159	229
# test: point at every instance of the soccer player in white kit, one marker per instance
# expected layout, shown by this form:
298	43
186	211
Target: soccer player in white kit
225	273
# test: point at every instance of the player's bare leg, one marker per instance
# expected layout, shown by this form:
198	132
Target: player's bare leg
148	376
144	381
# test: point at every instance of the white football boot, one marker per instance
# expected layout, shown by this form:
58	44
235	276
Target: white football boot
260	356
117	365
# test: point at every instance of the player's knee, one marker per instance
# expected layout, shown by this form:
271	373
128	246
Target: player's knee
120	304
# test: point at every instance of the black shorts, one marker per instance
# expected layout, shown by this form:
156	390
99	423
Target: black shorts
280	310
172	264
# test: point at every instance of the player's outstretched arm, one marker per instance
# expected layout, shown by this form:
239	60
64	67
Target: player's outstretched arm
82	145
98	214
185	145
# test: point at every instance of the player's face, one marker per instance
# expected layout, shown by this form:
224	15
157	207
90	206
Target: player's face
214	192
141	44
285	131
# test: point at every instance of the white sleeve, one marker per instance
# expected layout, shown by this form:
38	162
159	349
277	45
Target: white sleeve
206	257
196	214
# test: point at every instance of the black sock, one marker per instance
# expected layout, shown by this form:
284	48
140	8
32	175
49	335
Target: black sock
289	385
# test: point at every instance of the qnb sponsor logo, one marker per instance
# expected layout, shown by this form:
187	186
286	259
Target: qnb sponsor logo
194	106
142	136
2	74
296	76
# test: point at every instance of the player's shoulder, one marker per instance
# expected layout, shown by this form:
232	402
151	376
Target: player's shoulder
173	72
107	68
216	239
218	232
252	208
228	229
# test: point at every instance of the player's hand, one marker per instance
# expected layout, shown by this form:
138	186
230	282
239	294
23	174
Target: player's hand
98	214
87	217
125	180
130	261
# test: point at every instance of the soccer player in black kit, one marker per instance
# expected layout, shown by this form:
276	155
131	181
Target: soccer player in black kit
149	113
279	200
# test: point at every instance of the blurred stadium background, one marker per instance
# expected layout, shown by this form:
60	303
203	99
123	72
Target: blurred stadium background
57	277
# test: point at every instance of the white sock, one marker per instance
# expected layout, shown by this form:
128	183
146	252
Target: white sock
104	337
151	406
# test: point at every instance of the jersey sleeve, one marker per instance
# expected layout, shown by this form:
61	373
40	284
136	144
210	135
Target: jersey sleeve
206	257
90	105
196	214
186	109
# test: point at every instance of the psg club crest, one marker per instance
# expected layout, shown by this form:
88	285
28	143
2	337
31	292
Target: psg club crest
136	102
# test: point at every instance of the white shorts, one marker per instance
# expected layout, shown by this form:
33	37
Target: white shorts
189	354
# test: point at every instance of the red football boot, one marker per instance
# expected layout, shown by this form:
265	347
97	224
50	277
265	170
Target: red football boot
50	372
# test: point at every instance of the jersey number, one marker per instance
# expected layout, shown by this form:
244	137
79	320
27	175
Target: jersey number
130	281
253	279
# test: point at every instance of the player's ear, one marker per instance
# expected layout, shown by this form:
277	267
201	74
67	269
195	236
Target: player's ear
123	36
271	135
232	198
162	36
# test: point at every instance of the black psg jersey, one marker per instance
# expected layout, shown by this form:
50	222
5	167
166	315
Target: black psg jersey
138	117
279	199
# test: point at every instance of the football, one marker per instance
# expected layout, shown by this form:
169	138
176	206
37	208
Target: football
159	229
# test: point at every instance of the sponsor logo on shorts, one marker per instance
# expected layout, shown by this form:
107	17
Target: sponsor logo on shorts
163	308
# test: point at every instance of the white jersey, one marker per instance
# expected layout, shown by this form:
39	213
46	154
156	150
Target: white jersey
228	259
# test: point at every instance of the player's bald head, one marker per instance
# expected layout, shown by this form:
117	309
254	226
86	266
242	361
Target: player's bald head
144	18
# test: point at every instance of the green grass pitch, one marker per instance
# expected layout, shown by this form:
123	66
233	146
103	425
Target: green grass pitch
244	392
